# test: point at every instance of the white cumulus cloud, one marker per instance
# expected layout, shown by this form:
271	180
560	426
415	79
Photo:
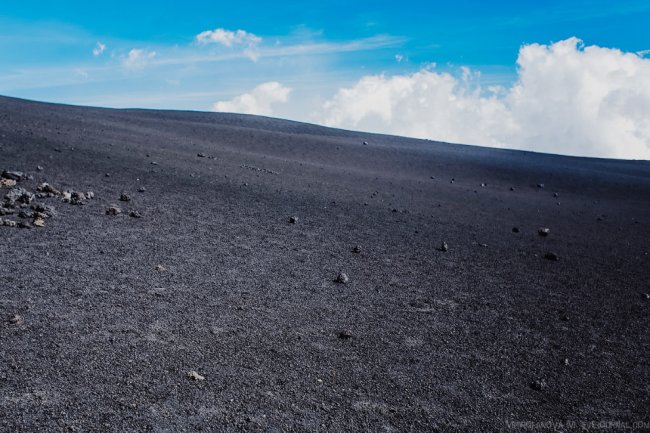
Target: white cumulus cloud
240	38
258	101
228	38
138	58
568	99
99	49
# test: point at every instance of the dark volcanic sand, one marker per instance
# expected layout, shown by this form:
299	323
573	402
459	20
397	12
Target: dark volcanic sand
438	341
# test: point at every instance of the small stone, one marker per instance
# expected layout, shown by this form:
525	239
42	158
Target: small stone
293	220
194	375
342	278
552	257
7	182
645	295
540	185
39	222
107	175
14	175
356	249
135	214
556	194
90	195
160	268
483	184
483	245
24	225
47	188
39	167
142	189
200	155
512	188
344	335
443	247
538	385
9	223
565	361
544	231
515	229
16	319
113	210
154	163
124	197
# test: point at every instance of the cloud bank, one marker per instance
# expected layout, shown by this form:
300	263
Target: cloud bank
137	58
258	101
568	99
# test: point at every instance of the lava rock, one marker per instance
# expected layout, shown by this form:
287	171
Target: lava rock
344	335
13	175
19	195
124	197
552	257
16	320
47	188
342	278
113	210
538	385
193	375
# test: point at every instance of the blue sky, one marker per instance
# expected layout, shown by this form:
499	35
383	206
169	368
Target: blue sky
147	54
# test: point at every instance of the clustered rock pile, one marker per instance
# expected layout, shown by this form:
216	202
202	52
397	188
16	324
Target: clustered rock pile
22	203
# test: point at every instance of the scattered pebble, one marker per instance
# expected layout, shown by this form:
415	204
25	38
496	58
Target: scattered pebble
483	245
39	222
544	231
16	319
365	143
142	189
113	210
135	214
538	385
14	175
645	295
512	188
540	185
356	249
125	197
39	167
194	375
342	278
556	194
551	256
515	229
293	220
7	182
483	184
443	247
200	155
344	335
160	268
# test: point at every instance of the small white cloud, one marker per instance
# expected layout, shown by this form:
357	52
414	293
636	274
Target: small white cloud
137	58
99	49
568	99
228	38
258	101
399	58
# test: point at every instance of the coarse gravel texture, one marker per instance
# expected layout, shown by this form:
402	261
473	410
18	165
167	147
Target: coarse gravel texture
109	322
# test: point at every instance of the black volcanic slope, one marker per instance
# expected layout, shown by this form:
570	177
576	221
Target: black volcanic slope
104	317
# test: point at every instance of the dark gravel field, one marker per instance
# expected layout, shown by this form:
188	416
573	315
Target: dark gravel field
241	273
